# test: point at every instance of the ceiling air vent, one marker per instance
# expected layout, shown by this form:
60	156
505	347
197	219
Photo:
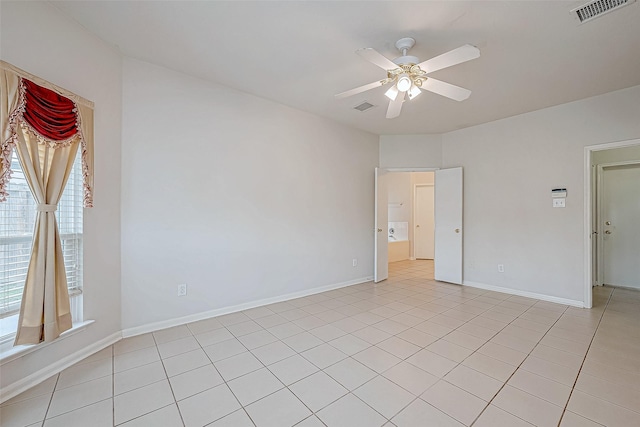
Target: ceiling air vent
364	106
596	8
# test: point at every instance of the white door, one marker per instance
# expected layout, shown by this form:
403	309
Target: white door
424	223
381	221
621	225
448	220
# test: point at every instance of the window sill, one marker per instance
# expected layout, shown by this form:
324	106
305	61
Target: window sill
9	353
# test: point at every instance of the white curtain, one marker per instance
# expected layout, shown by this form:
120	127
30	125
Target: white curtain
45	312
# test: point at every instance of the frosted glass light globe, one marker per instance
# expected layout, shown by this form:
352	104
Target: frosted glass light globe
404	83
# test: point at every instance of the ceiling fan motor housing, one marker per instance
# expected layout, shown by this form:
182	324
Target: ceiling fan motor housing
406	60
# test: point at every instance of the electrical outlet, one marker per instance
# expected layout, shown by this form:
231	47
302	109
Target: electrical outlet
355	262
182	289
559	203
500	268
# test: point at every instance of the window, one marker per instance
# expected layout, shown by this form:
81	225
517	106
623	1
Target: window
17	219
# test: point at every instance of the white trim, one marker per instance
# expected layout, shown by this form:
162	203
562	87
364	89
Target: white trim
37	377
610	145
542	297
588	229
614	164
151	327
380	263
22	350
596	211
588	214
409	169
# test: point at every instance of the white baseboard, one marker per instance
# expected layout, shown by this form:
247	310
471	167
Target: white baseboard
542	297
37	377
155	326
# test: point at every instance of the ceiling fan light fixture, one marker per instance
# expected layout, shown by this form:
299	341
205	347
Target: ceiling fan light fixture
392	93
414	91
404	83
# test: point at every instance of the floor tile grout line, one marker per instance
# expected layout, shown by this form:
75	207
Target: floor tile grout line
143	415
79	407
585	356
72	385
154	382
225	382
50	399
113	396
164	368
113	386
538	343
513	373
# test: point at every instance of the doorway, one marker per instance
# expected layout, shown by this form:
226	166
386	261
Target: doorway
446	211
410	215
610	187
618	229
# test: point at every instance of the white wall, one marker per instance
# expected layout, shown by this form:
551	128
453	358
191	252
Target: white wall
38	39
399	190
241	198
510	167
410	151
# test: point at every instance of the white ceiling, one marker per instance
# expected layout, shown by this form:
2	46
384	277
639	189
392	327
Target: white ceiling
533	53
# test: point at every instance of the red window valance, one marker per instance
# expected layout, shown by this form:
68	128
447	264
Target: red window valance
50	114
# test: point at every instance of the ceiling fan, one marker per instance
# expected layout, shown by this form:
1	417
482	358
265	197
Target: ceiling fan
410	76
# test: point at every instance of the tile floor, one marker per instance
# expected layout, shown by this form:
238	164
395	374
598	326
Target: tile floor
406	352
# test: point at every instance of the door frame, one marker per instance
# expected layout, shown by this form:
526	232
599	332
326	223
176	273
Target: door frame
599	279
413	215
380	269
590	213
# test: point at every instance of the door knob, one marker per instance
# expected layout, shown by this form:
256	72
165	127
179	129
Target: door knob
607	232
607	223
457	230
418	225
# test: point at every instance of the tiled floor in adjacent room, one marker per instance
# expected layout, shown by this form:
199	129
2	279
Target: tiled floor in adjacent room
406	352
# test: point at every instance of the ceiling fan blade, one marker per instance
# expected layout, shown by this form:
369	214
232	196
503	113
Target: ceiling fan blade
377	58
453	57
446	89
395	106
361	89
